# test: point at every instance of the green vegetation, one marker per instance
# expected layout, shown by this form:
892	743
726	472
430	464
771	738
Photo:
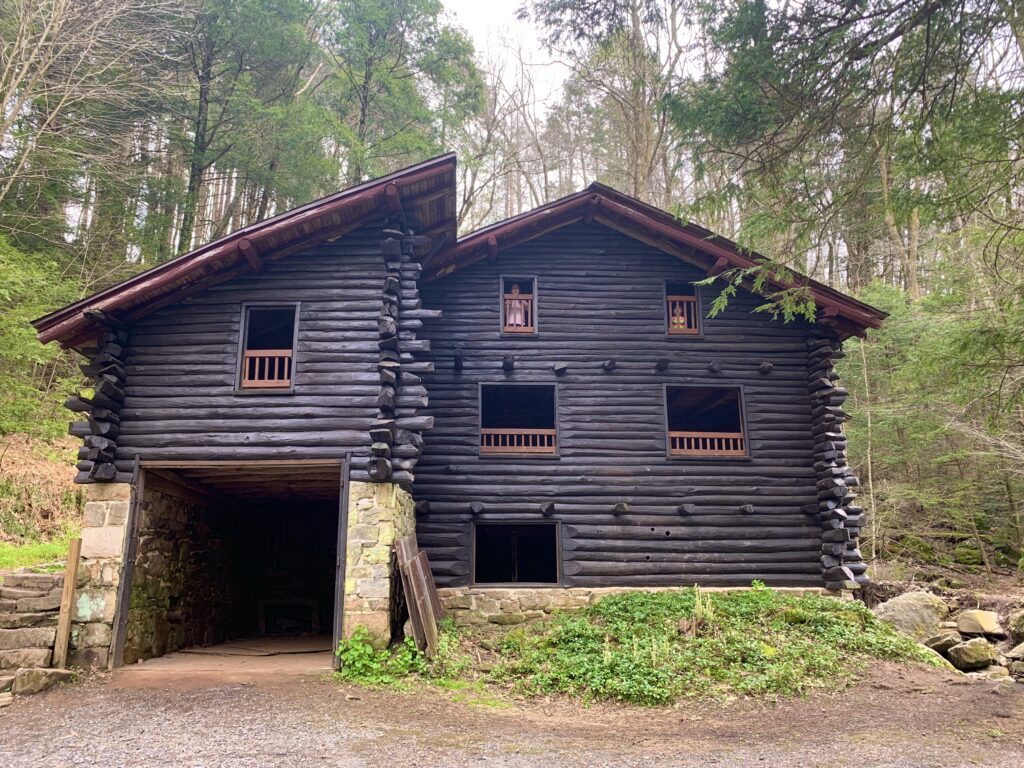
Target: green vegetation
654	648
362	661
52	552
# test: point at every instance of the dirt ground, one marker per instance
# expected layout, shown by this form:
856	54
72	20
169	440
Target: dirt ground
897	716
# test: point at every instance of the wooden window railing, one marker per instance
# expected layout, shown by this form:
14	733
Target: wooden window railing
682	314
518	315
267	368
707	444
531	441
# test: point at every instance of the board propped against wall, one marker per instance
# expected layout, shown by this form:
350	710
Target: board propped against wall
420	593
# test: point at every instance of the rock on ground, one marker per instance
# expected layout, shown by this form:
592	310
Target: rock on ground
28	681
942	642
1015	623
973	654
979	623
917	614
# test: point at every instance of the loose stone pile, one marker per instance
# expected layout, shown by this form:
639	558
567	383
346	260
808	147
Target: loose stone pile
975	642
29	606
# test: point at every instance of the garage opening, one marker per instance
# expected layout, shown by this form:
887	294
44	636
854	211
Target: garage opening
515	553
233	552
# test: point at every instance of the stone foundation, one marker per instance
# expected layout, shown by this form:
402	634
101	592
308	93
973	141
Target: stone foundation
469	606
103	532
378	514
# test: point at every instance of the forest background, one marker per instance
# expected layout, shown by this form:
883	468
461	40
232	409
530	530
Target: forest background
874	145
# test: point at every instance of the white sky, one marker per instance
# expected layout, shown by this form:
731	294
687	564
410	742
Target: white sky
493	26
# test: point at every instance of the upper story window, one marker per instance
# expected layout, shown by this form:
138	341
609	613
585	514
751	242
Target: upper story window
267	354
518	305
682	309
705	421
518	419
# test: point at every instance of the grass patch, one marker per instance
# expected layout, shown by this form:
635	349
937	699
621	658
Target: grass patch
36	553
652	648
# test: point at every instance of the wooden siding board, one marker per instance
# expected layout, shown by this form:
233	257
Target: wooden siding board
180	396
602	298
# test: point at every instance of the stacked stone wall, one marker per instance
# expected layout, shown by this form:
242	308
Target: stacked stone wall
190	586
468	606
378	515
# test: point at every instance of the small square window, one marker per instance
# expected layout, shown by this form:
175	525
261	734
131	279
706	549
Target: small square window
518	305
515	553
517	419
269	348
705	421
682	309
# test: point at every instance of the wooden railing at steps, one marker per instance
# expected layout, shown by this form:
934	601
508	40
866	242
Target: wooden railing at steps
533	441
707	444
267	368
526	300
682	314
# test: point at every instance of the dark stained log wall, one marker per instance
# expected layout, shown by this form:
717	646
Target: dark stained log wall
181	401
600	298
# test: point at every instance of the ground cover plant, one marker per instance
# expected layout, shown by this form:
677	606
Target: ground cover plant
653	648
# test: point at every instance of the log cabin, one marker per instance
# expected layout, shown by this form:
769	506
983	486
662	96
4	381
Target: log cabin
547	403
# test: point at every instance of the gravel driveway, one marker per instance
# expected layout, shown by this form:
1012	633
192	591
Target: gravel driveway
897	717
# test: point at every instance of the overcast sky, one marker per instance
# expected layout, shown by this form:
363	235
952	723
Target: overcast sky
493	25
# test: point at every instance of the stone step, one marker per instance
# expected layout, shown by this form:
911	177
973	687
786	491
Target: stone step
6	681
35	619
27	637
25	657
17	593
7	605
6	699
33	604
28	681
41	581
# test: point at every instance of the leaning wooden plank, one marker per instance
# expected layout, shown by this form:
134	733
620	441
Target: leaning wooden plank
67	603
419	570
405	550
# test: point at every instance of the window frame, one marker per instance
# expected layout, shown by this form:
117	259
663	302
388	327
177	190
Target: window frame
699	315
501	307
519	456
744	427
559	556
243	332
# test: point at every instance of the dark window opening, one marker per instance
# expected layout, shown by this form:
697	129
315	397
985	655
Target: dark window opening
517	419
508	554
705	421
518	305
269	343
682	308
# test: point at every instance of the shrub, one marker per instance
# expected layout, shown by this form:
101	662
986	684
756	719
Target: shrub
363	662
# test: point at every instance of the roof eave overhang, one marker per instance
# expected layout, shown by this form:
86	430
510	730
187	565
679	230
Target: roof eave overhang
247	249
656	228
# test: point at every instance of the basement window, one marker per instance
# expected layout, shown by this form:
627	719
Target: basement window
267	355
705	421
515	553
518	419
682	309
518	305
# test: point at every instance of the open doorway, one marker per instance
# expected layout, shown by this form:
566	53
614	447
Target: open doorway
233	553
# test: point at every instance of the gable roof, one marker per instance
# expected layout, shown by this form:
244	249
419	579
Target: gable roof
604	205
425	190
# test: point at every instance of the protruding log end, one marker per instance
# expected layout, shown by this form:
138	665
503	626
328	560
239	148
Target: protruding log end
621	508
608	366
560	369
686	509
422	508
547	509
661	364
765	368
714	366
476	508
747	509
508	362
